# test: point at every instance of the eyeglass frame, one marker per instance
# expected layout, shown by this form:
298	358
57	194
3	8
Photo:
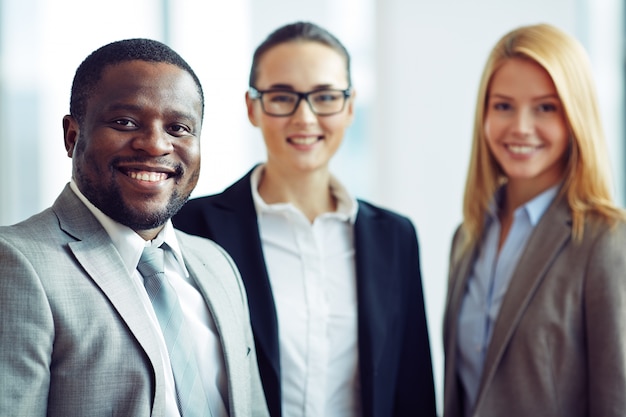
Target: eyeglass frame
256	94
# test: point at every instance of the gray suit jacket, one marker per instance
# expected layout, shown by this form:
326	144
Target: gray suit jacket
559	342
74	339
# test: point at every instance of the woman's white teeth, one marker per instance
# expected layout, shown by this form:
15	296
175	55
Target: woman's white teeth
521	149
305	141
147	176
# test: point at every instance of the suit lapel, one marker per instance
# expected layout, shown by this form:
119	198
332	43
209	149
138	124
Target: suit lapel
376	299
460	270
95	252
219	302
238	232
550	235
233	223
100	259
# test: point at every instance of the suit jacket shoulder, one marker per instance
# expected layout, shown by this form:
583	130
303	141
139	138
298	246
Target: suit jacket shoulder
58	266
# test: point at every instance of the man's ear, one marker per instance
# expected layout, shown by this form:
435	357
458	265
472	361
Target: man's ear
251	110
71	131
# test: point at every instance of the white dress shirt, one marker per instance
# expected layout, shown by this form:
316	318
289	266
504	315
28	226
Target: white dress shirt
312	274
200	323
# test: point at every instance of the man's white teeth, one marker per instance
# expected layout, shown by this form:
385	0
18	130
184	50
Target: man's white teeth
147	176
304	141
521	149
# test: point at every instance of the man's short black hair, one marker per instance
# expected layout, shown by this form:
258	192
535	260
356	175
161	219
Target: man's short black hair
90	70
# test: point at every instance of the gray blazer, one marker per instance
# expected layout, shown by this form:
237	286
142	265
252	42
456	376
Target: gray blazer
74	339
559	342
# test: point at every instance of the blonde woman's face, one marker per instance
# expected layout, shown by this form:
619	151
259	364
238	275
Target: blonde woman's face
525	125
303	141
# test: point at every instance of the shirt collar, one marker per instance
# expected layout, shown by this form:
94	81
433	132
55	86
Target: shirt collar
347	205
127	242
534	208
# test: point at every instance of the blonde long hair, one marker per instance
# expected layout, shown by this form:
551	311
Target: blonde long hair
587	178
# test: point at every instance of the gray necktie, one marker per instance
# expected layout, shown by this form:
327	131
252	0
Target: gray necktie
192	401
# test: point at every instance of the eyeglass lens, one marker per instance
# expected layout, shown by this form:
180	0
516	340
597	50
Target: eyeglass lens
322	102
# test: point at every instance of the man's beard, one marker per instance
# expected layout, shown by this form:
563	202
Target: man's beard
111	203
109	199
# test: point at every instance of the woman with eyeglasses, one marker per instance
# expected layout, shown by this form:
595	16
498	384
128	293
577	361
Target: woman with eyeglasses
333	283
536	308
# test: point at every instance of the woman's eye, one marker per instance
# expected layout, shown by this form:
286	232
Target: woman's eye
547	107
326	97
502	106
282	98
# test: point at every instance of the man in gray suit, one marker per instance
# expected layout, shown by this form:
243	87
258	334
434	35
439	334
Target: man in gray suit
79	333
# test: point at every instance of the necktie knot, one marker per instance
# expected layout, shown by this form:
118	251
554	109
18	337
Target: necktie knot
151	262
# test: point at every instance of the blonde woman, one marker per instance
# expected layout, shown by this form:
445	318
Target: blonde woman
536	304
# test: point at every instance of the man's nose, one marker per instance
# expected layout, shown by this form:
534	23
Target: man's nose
154	140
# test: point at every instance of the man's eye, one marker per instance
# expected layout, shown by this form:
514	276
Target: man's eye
179	129
126	123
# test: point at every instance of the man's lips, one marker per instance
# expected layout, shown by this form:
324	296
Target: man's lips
148	174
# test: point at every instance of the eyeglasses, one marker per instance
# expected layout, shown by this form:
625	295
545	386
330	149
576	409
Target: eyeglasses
283	103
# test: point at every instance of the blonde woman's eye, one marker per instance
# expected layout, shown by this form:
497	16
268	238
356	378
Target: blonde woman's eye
547	107
502	106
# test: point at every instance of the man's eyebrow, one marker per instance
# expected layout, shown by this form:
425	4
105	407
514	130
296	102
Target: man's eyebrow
124	106
179	114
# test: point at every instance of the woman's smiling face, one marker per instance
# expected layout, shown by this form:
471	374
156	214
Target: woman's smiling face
303	141
525	124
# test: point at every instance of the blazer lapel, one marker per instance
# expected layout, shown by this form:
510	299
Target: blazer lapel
95	252
456	290
233	223
238	232
374	297
460	266
219	302
546	241
100	259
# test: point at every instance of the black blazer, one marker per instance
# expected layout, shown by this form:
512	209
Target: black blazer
394	350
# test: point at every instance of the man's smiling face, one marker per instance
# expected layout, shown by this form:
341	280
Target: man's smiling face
136	156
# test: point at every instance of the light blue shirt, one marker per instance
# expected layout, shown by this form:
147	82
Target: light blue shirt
487	285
